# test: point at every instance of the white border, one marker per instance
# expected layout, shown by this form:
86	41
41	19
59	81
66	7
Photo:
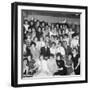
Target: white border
82	43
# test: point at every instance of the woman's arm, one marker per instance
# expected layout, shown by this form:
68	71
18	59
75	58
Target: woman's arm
78	63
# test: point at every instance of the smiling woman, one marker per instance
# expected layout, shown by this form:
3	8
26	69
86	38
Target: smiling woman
51	44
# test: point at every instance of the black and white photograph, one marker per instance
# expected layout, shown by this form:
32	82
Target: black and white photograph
51	44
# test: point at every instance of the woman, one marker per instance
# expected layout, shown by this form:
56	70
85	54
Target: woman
60	48
31	66
34	51
62	70
76	61
43	70
69	65
41	43
53	48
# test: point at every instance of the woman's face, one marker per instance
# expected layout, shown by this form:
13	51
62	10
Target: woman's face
26	22
59	44
57	26
29	58
53	45
35	39
31	23
39	29
51	57
69	57
41	39
74	51
58	57
33	46
33	30
43	24
29	30
25	62
41	57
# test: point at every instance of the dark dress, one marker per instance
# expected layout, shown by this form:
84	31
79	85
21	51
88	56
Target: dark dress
61	64
38	35
75	61
28	52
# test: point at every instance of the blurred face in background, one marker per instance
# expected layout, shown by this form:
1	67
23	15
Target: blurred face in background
37	24
59	44
43	24
29	30
65	44
41	57
57	26
52	26
39	29
31	23
26	22
69	56
58	57
25	62
41	39
35	39
33	30
74	51
51	57
53	45
52	38
29	58
47	39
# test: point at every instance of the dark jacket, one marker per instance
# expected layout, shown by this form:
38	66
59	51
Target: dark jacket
45	52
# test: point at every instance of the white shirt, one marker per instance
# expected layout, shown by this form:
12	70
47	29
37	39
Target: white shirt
74	43
53	50
61	50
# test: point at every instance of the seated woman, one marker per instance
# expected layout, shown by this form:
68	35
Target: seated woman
62	70
69	65
31	64
25	66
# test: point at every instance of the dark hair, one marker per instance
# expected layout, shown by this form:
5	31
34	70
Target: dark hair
74	35
33	43
53	43
59	54
26	21
75	49
25	59
66	35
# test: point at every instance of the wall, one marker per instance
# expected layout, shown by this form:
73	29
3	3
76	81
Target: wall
5	46
51	19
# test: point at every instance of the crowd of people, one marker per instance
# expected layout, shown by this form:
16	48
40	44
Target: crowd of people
50	49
